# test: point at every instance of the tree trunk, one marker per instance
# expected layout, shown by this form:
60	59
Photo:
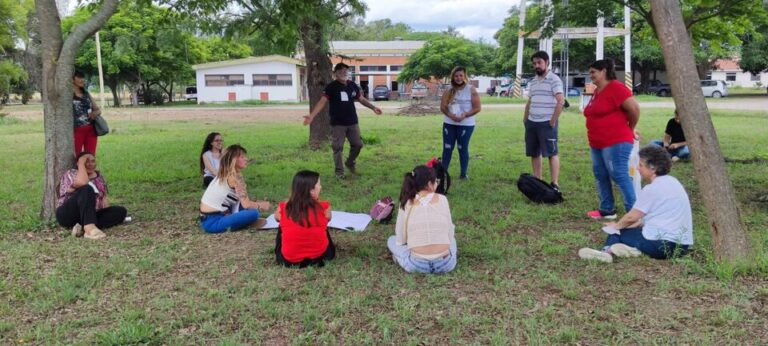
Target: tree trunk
112	83
729	238
319	72
58	57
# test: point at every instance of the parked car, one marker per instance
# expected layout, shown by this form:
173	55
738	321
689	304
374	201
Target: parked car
714	88
190	93
381	92
419	91
573	92
655	87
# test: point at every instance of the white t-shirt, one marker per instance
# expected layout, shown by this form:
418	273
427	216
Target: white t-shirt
667	211
461	103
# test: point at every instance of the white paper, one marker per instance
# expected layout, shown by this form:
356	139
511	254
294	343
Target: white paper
354	222
610	230
344	96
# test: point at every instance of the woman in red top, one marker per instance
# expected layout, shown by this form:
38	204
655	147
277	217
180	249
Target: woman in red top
303	238
612	115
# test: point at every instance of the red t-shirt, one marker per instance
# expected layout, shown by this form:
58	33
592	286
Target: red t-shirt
607	123
299	242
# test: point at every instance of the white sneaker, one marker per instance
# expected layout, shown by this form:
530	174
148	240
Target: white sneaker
623	250
77	231
592	254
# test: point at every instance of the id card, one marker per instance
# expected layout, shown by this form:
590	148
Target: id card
344	96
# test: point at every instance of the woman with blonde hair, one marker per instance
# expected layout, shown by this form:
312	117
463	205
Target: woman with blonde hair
225	204
459	104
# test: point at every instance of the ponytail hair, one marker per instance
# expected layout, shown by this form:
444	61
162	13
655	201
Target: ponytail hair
607	66
414	181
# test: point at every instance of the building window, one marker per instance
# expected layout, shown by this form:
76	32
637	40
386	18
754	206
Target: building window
396	68
730	76
754	77
224	79
475	83
373	68
273	79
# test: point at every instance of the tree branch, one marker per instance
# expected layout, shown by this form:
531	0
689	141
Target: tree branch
81	32
716	11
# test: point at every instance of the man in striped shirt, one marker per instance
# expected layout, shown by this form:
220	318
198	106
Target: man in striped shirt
541	114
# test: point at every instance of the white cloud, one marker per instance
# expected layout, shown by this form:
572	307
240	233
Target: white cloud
474	19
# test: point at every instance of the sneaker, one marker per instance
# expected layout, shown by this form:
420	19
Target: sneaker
599	214
95	234
675	158
77	231
350	167
592	254
555	186
464	177
623	250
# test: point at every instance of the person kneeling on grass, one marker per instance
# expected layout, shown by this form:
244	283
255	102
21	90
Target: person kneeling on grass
220	207
303	238
424	233
659	225
83	203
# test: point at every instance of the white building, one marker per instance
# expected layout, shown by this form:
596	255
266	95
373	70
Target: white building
266	78
729	71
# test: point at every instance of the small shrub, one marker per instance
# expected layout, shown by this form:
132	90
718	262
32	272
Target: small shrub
371	139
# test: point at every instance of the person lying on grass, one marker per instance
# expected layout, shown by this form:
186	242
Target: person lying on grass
225	204
303	238
83	203
659	225
424	233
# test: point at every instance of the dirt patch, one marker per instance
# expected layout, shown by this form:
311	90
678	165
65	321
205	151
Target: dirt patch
420	108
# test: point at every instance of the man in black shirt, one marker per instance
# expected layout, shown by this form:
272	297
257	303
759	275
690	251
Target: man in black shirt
342	94
674	140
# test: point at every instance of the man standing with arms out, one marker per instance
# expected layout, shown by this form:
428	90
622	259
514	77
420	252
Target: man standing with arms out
342	94
541	114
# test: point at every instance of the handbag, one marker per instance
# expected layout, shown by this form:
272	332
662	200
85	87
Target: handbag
100	126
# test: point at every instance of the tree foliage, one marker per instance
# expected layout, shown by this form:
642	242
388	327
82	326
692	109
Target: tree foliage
13	20
440	55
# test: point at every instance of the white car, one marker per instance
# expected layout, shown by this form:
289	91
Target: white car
714	88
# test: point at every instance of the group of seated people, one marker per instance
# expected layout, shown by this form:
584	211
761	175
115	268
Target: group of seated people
659	225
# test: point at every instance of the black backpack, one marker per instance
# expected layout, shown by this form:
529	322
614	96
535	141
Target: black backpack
443	178
538	190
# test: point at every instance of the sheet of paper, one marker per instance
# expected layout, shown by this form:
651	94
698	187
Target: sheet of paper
344	96
354	222
610	230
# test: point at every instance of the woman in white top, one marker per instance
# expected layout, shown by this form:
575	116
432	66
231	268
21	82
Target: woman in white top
424	233
660	224
225	204
209	157
460	104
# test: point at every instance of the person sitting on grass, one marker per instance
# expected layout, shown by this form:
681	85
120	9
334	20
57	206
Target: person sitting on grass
83	203
660	224
225	204
424	233
303	238
209	157
674	140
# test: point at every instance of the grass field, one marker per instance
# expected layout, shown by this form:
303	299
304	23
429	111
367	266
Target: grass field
160	280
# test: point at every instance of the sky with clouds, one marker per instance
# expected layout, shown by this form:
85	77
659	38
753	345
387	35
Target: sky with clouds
473	18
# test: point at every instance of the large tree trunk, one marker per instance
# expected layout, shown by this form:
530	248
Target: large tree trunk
58	56
112	83
319	72
730	239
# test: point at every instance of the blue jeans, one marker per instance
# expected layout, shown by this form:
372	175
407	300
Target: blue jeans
218	223
414	264
658	249
460	135
681	152
612	163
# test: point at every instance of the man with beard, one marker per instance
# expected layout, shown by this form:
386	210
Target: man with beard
541	114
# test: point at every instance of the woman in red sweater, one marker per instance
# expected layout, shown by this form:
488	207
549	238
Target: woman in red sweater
303	238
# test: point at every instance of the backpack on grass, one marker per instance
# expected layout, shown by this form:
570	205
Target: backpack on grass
538	190
443	178
382	209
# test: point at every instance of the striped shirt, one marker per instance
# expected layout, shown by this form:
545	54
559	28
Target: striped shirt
542	93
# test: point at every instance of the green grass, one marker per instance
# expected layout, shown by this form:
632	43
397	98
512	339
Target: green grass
160	280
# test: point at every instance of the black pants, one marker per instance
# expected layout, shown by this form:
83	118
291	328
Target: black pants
330	253
207	181
81	208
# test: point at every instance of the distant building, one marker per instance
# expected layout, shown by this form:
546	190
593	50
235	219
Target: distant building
728	70
266	78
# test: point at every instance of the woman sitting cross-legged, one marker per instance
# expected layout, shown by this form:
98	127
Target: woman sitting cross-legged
303	238
424	233
83	202
225	204
659	225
